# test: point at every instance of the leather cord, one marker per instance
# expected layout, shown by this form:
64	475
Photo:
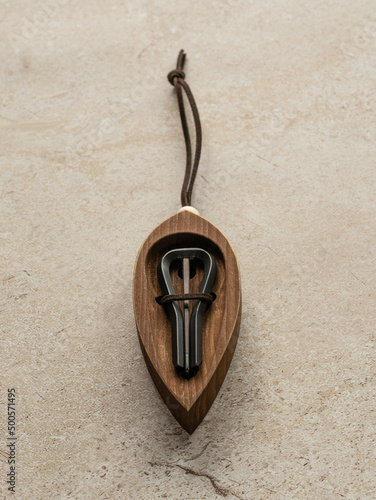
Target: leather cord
177	78
165	299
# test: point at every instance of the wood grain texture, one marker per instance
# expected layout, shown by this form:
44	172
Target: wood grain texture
188	400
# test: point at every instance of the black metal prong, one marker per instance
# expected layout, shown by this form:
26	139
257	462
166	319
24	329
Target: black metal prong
186	278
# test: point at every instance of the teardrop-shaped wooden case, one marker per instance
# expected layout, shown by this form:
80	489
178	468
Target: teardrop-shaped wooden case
188	400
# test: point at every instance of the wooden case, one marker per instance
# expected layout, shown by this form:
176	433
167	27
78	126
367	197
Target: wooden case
188	400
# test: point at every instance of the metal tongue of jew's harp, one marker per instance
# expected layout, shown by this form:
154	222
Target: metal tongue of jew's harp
186	327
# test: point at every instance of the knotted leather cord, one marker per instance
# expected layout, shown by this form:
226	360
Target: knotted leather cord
177	78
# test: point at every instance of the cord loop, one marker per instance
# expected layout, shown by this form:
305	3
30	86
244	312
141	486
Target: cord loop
177	78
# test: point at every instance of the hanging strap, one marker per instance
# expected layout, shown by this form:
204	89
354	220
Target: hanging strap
177	78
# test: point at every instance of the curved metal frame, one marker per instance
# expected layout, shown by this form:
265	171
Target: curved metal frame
187	364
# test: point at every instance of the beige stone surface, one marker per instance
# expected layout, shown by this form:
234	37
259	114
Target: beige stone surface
92	159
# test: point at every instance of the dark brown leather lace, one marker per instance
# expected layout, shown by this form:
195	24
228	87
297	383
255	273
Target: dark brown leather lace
177	78
166	299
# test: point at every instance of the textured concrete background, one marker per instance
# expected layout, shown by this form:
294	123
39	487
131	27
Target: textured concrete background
92	160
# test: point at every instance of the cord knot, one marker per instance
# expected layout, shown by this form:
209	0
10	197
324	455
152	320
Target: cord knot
175	73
